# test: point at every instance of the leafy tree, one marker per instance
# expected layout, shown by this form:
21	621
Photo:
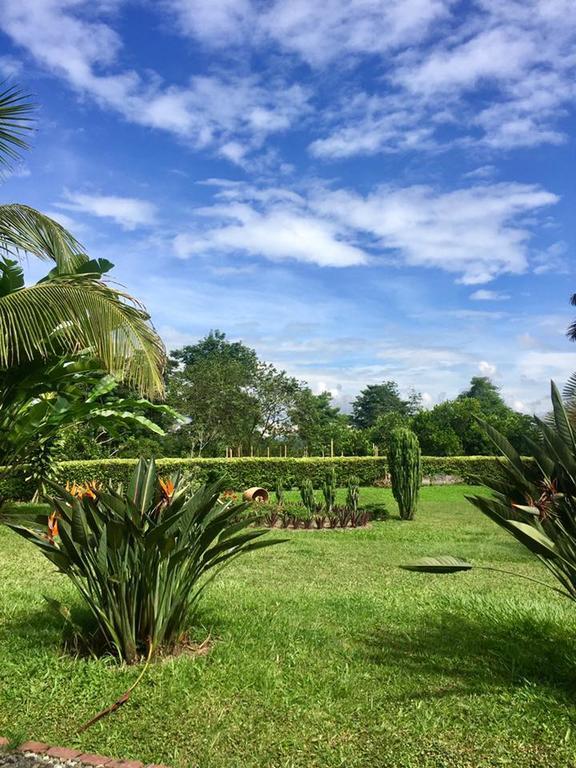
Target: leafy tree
273	394
229	397
386	423
316	420
380	399
487	394
208	383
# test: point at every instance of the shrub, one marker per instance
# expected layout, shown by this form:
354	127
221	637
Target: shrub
246	472
535	502
405	470
139	556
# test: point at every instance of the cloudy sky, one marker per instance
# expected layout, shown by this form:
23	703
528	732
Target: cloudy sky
359	189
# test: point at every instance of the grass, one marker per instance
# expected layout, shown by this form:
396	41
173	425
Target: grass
325	654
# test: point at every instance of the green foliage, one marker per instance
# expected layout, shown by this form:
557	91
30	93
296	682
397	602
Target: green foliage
535	501
380	399
452	427
279	490
229	397
353	493
40	400
329	490
307	495
405	471
140	556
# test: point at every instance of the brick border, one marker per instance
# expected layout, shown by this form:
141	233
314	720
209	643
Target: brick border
84	758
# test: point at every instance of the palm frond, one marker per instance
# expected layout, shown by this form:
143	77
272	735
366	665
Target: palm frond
68	316
26	230
15	122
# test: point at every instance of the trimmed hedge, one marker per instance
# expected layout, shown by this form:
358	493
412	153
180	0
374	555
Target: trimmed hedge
246	472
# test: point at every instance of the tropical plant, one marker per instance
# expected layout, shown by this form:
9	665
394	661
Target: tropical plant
279	491
71	311
140	557
38	401
405	472
307	495
329	490
353	494
534	501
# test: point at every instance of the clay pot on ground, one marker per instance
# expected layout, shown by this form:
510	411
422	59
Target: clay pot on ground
256	494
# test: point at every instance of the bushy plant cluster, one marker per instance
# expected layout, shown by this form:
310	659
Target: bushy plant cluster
317	507
141	555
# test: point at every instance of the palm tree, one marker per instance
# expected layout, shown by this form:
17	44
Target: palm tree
72	309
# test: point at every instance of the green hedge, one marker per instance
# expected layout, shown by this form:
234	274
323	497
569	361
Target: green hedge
245	472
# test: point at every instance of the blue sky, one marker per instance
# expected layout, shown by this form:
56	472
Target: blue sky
359	189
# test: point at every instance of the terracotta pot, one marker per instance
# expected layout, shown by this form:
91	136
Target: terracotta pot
256	494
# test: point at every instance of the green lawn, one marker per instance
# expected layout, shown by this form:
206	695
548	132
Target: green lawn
325	654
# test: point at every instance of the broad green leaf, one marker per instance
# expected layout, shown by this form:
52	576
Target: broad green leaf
439	564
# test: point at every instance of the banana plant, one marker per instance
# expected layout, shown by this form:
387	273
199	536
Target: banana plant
533	500
40	399
141	556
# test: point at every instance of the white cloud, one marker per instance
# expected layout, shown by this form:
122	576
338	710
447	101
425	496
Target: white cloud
487	369
502	75
128	212
318	33
484	295
276	234
209	111
539	366
10	67
475	233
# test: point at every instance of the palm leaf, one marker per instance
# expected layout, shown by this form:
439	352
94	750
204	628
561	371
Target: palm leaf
68	316
15	122
26	230
440	564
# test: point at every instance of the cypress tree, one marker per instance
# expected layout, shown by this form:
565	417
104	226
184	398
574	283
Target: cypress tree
405	473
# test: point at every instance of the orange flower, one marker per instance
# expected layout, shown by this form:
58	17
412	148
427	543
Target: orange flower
79	490
167	488
52	527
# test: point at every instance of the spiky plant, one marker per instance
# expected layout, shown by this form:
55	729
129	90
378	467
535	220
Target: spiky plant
534	501
140	557
353	494
329	490
279	491
307	495
405	471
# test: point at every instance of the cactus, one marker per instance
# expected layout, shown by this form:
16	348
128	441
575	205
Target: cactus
329	490
353	494
307	495
405	472
279	491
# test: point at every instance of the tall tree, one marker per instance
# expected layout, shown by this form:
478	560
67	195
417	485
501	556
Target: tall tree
483	390
317	421
208	382
380	399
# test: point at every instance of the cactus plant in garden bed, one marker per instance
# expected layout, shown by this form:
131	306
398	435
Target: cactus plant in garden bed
312	513
140	557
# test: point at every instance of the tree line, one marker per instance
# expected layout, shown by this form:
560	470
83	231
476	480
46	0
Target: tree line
231	402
